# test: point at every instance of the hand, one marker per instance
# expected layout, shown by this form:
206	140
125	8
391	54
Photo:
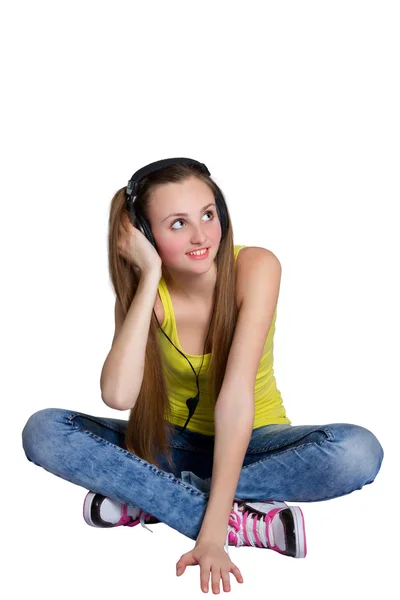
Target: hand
211	557
136	248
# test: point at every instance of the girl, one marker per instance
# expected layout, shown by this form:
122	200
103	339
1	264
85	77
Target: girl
193	308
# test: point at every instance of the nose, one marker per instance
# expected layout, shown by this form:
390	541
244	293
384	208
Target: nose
198	236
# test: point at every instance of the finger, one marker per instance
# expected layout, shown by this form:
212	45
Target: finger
204	576
121	235
226	584
126	223
234	569
215	577
185	560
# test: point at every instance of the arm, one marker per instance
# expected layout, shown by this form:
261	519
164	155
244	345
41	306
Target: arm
233	429
234	410
122	373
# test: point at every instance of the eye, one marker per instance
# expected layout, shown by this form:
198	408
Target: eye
210	212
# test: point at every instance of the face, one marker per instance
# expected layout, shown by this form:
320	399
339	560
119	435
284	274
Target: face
177	235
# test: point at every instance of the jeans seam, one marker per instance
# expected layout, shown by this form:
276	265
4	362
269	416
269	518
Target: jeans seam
189	448
181	446
327	430
285	451
151	467
330	437
107	425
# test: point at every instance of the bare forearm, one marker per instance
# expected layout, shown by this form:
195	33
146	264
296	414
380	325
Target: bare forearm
233	428
122	373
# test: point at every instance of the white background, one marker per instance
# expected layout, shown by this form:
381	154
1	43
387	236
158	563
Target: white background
294	108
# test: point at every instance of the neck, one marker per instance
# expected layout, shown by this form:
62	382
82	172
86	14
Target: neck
195	288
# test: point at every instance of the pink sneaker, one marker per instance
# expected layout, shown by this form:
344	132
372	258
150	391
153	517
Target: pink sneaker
271	524
100	511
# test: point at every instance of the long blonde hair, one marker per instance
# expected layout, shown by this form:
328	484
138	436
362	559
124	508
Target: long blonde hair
149	420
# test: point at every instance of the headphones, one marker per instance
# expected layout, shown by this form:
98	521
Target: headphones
144	226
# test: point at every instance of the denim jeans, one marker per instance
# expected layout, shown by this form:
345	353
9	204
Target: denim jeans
303	463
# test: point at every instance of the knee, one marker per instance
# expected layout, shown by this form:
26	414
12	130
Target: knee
36	434
362	453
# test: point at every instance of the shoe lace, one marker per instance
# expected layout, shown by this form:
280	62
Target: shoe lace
248	528
131	521
144	516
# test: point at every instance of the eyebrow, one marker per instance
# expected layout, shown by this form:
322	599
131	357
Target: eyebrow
186	214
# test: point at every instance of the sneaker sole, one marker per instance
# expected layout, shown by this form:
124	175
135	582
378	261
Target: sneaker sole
87	507
300	531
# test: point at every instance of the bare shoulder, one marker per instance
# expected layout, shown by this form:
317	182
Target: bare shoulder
253	252
246	263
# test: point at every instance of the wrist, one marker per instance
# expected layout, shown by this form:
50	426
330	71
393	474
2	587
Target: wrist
210	541
213	536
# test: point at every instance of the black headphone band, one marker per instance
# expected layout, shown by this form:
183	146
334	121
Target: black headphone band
134	181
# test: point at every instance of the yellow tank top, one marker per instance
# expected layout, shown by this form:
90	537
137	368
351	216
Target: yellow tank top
181	381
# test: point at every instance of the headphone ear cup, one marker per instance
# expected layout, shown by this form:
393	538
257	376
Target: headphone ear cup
140	223
133	217
146	230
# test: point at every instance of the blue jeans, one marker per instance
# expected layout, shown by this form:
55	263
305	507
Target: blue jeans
304	463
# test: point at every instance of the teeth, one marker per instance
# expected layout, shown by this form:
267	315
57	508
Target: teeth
199	252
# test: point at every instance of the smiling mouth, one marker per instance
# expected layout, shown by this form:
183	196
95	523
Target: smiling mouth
201	250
